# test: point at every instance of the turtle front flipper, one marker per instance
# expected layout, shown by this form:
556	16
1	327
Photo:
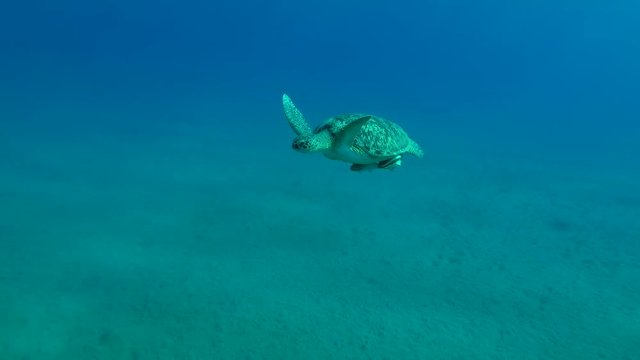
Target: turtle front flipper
348	134
297	122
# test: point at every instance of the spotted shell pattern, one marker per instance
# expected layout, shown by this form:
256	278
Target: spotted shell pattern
378	137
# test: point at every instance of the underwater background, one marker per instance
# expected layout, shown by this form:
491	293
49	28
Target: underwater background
151	206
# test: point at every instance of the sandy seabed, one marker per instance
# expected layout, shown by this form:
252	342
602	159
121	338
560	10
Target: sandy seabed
187	248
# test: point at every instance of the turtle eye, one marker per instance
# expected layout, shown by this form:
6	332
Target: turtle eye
301	145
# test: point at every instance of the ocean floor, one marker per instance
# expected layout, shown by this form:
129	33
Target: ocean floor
184	245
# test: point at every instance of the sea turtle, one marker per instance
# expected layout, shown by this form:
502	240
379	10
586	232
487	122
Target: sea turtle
365	141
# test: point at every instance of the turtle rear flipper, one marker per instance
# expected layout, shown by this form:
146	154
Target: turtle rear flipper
415	149
295	118
390	164
362	167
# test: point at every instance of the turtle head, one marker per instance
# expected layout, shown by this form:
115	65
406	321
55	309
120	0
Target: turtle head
311	143
303	144
306	140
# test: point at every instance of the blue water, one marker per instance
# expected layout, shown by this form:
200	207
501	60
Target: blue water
151	206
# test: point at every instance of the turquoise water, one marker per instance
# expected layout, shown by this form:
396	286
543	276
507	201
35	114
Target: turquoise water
151	206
